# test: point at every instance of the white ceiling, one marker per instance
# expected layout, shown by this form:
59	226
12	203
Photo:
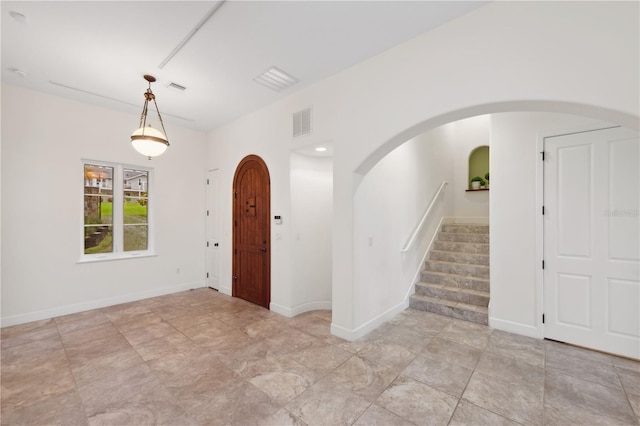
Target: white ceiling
98	51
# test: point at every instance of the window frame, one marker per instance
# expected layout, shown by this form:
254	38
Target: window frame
118	217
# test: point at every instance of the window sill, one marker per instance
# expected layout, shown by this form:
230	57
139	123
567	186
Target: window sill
109	257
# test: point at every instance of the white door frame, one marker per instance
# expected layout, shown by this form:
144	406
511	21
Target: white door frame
212	244
540	202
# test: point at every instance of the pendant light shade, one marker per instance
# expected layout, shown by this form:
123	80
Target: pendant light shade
149	141
146	140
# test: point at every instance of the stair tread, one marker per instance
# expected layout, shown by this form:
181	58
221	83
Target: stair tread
458	263
454	289
455	275
464	242
466	224
452	304
465	233
459	252
464	238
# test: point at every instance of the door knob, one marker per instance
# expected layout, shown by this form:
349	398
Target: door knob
263	249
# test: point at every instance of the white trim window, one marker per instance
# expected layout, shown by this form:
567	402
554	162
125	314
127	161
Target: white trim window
116	210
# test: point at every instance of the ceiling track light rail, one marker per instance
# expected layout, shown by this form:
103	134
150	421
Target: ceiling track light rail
193	32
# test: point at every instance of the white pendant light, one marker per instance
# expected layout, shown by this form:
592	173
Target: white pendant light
146	140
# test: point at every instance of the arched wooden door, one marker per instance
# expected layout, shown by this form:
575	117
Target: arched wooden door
251	232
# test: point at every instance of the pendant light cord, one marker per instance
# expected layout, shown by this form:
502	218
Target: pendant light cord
160	118
145	109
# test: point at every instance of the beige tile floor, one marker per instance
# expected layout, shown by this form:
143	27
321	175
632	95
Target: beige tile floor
200	358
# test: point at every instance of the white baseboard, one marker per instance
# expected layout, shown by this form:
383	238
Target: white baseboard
516	328
300	309
342	332
370	325
94	304
225	290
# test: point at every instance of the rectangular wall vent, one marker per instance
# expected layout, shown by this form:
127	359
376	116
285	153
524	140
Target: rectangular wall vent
302	122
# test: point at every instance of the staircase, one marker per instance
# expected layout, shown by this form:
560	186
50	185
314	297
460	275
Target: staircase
455	281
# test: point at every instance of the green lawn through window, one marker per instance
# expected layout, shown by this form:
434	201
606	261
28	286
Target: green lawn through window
130	209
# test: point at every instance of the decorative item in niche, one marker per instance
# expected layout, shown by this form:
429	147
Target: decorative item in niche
477	182
486	177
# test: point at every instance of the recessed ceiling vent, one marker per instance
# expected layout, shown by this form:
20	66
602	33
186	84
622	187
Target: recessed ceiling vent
302	123
275	79
176	86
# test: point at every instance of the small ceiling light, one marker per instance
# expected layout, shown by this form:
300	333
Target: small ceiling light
146	140
321	149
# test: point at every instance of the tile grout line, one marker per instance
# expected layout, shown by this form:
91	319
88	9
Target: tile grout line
626	393
468	381
75	382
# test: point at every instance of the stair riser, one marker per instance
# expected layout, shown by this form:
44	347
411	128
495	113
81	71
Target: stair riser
454	312
445	294
469	258
477	271
465	229
464	238
455	281
477	248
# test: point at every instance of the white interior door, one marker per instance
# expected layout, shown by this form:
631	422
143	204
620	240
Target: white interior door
592	240
213	218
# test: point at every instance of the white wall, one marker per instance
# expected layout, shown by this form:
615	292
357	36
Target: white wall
263	135
311	224
575	57
44	139
516	220
388	205
484	62
467	135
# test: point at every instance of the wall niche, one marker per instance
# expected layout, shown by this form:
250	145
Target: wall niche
479	168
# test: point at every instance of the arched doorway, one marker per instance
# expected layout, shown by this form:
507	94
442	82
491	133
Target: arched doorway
526	320
251	232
